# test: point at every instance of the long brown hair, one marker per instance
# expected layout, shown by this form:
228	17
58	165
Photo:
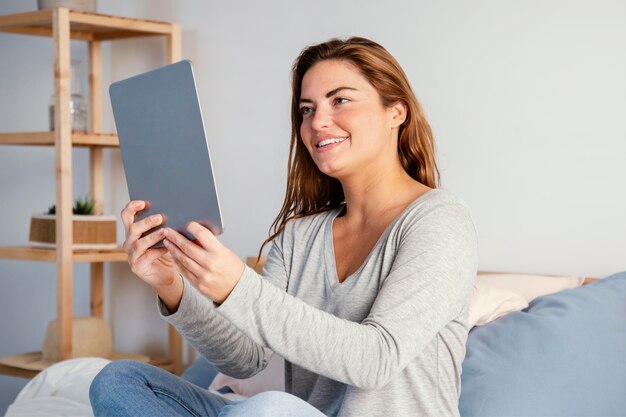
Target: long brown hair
310	191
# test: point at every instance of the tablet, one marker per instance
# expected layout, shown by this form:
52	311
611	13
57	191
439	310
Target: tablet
164	148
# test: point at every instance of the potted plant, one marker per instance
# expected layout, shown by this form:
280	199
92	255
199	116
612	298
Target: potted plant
90	231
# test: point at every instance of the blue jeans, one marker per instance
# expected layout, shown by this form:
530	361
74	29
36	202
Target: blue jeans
128	388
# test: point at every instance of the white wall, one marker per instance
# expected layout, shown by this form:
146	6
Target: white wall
526	99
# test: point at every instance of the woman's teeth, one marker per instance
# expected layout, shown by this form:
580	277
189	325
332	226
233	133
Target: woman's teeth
329	141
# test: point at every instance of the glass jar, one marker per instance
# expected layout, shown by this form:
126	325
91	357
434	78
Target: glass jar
78	104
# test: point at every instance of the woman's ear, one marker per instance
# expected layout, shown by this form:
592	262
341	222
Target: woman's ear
397	113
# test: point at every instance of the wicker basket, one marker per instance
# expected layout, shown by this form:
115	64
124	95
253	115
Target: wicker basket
89	231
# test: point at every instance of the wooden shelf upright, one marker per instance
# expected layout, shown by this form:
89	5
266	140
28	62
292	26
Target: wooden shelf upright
64	25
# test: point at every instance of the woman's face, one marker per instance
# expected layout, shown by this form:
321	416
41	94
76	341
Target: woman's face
345	126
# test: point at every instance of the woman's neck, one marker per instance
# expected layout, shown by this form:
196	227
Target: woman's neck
371	194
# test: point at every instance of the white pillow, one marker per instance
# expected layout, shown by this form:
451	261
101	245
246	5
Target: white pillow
530	286
272	378
489	302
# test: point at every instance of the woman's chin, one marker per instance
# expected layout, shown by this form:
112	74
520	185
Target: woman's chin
329	169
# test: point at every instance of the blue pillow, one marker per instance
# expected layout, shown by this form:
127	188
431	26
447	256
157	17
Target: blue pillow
564	355
201	372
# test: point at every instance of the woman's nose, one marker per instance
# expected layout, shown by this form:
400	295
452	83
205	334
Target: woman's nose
321	119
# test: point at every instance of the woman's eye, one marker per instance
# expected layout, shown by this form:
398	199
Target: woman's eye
305	110
341	100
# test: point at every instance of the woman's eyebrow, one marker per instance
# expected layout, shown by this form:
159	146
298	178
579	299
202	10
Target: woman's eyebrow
329	94
338	89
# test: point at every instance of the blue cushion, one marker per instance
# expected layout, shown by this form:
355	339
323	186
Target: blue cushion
564	355
201	373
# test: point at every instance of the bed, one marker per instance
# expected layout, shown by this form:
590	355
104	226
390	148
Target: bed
552	350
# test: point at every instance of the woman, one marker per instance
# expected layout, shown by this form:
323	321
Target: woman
367	284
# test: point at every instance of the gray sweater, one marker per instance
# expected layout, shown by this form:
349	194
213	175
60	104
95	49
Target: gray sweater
388	341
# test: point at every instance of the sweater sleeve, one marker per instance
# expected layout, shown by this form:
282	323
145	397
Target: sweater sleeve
427	287
232	351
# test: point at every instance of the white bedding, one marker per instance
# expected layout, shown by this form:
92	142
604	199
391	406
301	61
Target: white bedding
60	390
63	390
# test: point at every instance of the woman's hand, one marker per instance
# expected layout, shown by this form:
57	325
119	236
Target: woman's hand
212	268
154	266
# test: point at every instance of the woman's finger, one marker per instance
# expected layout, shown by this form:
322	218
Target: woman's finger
186	246
139	228
206	238
184	262
141	246
129	212
152	255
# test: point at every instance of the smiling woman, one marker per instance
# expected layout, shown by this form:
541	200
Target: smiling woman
309	190
350	120
366	287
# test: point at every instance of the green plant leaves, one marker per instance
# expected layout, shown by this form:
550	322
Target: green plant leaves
81	206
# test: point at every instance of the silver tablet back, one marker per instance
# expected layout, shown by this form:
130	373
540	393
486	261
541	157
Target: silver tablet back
164	147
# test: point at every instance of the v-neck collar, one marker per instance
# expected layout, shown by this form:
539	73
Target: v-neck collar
329	245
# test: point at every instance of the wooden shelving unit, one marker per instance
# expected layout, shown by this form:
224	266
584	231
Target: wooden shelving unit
64	25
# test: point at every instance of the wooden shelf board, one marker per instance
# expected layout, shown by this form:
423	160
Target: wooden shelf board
84	26
95	139
36	17
27	253
17	372
162	363
79	139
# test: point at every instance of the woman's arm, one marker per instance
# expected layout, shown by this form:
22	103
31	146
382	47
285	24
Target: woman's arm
216	338
429	283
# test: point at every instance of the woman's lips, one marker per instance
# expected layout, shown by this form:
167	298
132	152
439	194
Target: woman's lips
330	143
